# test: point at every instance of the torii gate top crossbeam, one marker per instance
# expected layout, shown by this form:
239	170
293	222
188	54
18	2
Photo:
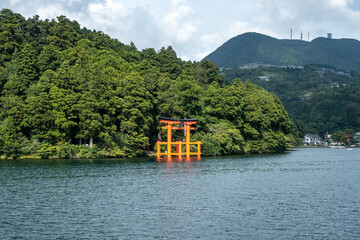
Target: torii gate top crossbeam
178	121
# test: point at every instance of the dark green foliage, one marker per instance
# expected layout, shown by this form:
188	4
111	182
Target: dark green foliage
69	92
11	32
11	139
255	48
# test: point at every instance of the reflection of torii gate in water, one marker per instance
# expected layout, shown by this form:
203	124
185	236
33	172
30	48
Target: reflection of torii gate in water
182	124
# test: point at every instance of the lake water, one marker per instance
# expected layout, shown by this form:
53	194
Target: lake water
302	194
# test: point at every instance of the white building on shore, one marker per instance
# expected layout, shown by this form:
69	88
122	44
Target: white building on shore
312	139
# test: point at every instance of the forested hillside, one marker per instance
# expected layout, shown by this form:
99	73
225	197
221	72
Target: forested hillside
320	99
69	92
254	47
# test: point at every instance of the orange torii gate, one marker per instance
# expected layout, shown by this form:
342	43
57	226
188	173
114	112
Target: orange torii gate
182	124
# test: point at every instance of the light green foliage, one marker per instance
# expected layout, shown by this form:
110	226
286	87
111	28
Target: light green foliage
65	150
68	92
46	150
229	138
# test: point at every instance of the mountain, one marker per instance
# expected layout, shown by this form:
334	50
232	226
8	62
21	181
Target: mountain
319	100
254	47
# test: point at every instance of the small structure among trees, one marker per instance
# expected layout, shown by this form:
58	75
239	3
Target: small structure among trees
312	139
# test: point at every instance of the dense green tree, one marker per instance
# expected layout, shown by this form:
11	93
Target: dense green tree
37	120
187	95
207	72
64	33
28	64
11	139
49	58
11	35
169	62
135	118
70	92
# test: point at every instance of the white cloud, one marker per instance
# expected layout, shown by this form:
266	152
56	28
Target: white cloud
176	25
277	17
338	3
208	40
185	32
50	11
202	55
178	2
13	2
236	28
175	17
286	14
106	13
195	28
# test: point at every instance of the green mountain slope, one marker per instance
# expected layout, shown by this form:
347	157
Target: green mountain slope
320	100
255	47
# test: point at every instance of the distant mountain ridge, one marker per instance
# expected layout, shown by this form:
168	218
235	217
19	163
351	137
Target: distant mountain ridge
254	47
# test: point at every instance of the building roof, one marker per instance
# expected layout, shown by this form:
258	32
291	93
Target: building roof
310	135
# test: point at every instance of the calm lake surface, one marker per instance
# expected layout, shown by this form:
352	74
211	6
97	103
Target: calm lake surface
302	194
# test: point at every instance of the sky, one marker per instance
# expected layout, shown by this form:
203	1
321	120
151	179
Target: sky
195	28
